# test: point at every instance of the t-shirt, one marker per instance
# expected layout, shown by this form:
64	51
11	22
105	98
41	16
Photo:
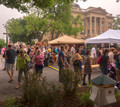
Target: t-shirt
93	51
72	50
21	62
49	49
11	54
2	51
38	57
82	51
54	50
61	54
111	57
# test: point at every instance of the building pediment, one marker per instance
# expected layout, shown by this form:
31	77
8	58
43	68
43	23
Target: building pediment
98	10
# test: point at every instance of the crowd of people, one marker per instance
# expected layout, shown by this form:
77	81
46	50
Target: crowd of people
41	55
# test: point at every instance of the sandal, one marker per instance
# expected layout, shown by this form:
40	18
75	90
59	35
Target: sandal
17	87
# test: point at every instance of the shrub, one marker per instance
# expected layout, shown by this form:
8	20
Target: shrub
117	95
70	81
12	103
41	93
85	99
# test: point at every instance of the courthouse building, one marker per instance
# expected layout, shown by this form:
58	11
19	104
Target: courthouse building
96	20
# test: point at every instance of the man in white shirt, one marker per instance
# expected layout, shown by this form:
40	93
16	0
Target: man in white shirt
73	50
93	55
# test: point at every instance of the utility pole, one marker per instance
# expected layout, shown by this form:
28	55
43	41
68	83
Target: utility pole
6	38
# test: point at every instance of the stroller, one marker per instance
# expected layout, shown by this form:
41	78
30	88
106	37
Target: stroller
111	71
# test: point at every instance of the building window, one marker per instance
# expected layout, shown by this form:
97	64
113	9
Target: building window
97	24
88	31
88	23
92	23
109	25
82	32
103	25
93	32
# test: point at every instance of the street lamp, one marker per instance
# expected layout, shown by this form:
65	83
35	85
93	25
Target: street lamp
6	38
6	35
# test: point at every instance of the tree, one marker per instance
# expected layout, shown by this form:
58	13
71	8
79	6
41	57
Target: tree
2	43
116	22
16	28
62	20
37	25
56	20
21	5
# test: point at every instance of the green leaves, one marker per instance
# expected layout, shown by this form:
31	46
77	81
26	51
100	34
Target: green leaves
116	24
55	20
16	28
2	43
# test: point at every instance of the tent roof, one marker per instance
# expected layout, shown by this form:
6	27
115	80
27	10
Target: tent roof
65	40
110	36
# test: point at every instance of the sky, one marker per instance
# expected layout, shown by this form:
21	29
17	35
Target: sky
111	7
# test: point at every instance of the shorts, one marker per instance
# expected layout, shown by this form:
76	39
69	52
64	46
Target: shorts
9	67
39	68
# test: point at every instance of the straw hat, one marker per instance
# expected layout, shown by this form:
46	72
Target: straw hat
21	50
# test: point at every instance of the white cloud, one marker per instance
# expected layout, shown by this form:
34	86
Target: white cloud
5	15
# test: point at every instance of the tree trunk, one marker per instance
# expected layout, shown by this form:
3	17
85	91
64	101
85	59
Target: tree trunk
52	36
57	35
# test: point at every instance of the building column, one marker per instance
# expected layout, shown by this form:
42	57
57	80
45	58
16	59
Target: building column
95	25
90	26
100	25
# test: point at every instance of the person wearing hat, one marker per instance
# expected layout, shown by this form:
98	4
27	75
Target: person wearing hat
22	59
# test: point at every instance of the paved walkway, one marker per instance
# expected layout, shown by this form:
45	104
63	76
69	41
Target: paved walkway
7	90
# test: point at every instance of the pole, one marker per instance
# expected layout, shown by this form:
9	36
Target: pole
6	39
109	46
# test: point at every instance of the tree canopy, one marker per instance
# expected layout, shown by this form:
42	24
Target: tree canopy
55	20
21	5
116	22
16	28
2	43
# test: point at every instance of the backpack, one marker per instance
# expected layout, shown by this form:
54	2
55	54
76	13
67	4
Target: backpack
99	59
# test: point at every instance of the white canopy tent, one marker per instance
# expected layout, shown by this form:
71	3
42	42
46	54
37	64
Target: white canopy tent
110	36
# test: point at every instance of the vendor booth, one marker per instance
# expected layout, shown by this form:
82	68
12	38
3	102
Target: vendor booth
65	40
110	36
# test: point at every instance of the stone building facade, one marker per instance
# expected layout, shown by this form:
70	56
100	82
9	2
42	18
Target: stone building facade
96	21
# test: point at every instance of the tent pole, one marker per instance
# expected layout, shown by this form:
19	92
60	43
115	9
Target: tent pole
109	46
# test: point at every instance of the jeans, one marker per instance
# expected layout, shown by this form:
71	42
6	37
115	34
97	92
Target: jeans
60	70
5	63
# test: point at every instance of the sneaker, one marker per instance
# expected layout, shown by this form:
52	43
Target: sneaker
84	83
10	81
3	69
